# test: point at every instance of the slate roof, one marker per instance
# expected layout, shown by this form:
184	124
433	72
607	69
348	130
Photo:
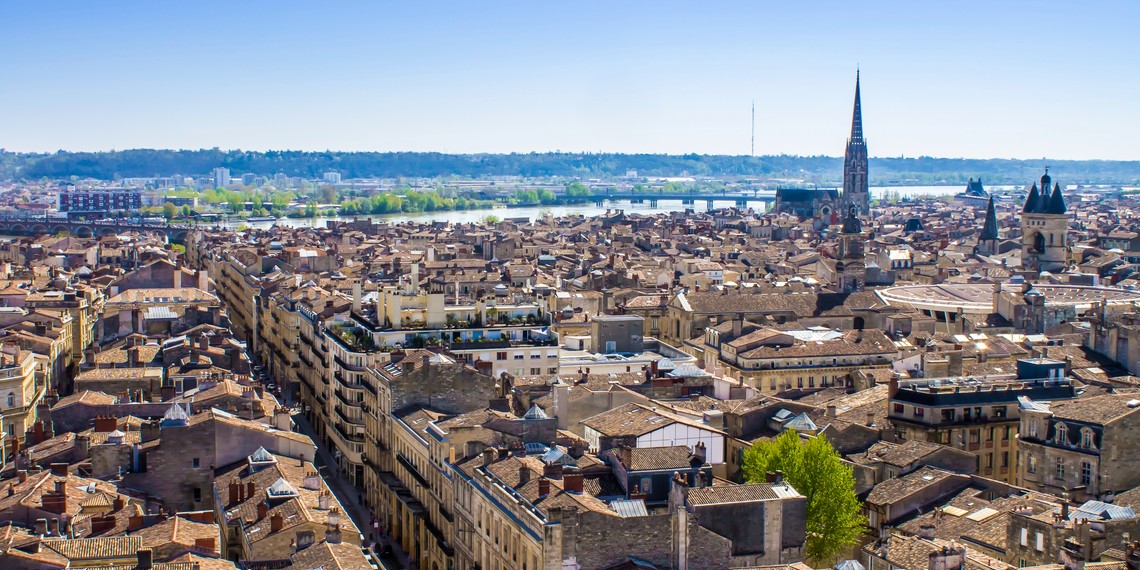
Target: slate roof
717	495
1098	410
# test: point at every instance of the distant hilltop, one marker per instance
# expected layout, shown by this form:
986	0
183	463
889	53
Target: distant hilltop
823	170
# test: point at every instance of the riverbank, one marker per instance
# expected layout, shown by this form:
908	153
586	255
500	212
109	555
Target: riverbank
532	213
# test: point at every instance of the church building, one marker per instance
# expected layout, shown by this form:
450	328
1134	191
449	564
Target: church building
827	203
1044	228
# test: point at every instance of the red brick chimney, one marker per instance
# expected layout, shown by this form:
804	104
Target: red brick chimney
59	470
572	481
552	471
105	423
235	492
250	490
276	523
543	487
262	510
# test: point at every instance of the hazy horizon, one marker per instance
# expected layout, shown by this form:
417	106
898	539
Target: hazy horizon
838	156
973	80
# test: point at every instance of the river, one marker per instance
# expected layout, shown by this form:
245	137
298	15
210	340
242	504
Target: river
589	209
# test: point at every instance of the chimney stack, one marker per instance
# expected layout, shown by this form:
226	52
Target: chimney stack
105	423
524	474
145	559
276	523
572	481
543	487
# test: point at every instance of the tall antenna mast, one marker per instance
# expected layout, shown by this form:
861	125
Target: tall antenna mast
753	127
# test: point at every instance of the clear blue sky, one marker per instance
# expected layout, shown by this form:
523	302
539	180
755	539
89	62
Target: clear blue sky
953	79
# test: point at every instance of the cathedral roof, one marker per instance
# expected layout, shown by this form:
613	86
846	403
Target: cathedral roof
1042	202
1031	200
1056	202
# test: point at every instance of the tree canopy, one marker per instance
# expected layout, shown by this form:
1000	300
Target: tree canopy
815	169
835	518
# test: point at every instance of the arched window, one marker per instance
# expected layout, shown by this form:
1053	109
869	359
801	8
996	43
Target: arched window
1087	438
1062	433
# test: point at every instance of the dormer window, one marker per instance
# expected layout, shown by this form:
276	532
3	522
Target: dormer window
1062	436
1087	438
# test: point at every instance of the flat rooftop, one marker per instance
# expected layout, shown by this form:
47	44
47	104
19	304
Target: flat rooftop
978	298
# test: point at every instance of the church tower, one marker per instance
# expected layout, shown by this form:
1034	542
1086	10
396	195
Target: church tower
851	267
1044	228
987	240
855	189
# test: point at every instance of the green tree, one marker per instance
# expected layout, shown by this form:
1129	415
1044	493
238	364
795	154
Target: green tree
577	192
169	210
186	211
491	219
328	194
835	518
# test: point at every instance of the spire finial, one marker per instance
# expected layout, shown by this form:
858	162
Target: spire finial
857	114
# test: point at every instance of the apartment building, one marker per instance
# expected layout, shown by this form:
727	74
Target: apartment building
20	395
979	415
770	360
1084	448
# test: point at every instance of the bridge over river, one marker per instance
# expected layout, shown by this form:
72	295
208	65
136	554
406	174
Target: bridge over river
653	198
37	226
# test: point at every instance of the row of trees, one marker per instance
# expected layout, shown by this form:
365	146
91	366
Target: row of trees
409	201
310	165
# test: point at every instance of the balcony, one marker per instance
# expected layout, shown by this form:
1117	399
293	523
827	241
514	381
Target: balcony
343	433
308	343
340	412
305	359
345	399
340	362
415	473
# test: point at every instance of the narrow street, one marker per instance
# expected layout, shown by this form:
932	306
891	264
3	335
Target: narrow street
349	497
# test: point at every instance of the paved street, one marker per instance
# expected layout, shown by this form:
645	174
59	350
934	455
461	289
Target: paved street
349	497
